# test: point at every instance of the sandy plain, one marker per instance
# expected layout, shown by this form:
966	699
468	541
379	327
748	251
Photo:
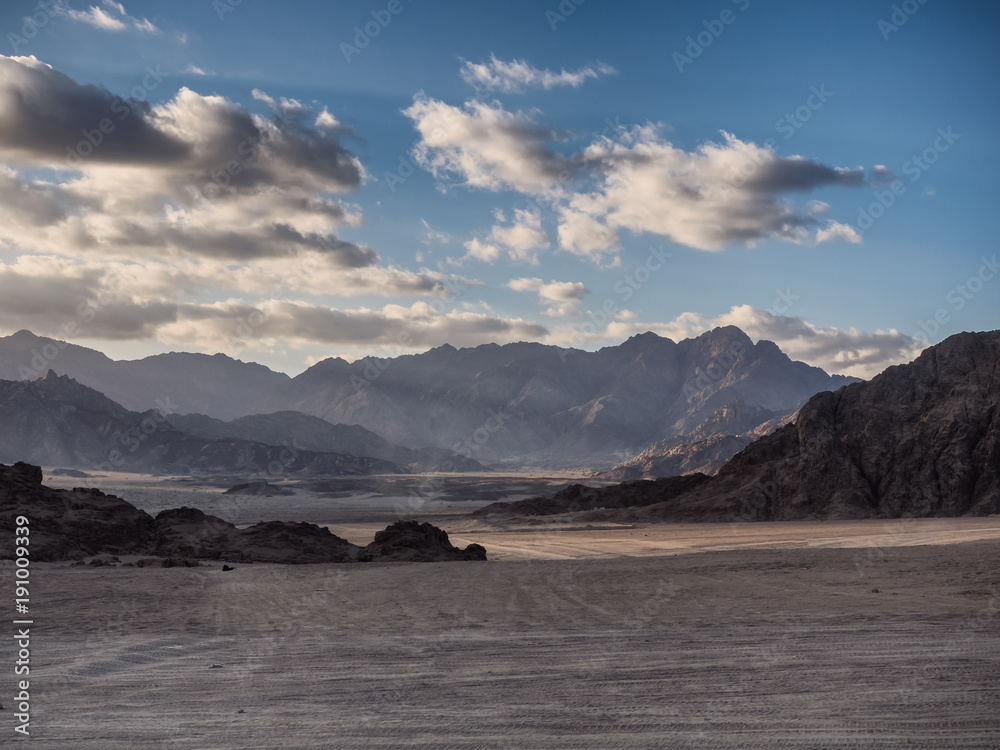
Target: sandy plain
881	634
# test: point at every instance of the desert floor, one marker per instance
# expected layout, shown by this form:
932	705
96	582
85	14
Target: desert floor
805	635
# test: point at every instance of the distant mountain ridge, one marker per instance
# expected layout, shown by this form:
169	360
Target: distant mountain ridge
56	421
315	434
178	381
518	405
557	407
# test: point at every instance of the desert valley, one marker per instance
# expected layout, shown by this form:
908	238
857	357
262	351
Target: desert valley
560	375
833	584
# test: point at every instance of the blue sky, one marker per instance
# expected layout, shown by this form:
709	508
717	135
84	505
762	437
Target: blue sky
417	186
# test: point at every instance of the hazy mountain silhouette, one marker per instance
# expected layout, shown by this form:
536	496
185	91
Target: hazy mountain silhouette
315	434
188	383
522	404
56	421
533	404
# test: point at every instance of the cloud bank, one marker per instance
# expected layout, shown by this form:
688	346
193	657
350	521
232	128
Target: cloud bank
210	196
726	193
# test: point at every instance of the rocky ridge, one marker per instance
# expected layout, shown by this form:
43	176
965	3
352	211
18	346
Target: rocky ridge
56	420
79	523
706	449
918	440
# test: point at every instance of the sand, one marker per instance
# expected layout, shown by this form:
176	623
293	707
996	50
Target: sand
806	635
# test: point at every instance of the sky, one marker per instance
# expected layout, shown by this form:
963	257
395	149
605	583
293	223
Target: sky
285	182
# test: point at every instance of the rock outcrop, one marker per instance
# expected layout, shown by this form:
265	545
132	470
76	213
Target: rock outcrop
705	450
673	457
410	541
67	524
79	523
919	440
188	532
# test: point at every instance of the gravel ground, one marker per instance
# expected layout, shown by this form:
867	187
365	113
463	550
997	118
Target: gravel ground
877	647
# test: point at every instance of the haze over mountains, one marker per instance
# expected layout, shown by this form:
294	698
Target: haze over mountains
216	385
56	421
705	449
522	404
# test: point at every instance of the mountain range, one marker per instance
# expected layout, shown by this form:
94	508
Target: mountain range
918	440
56	421
518	405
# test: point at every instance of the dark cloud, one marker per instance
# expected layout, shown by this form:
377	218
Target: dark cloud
44	112
801	176
196	175
47	117
314	151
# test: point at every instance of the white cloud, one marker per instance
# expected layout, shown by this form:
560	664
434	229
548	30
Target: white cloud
214	199
516	76
520	240
434	235
195	70
194	176
479	250
484	145
837	231
327	121
58	297
121	300
112	17
583	235
261	96
314	274
562	296
720	194
287	107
